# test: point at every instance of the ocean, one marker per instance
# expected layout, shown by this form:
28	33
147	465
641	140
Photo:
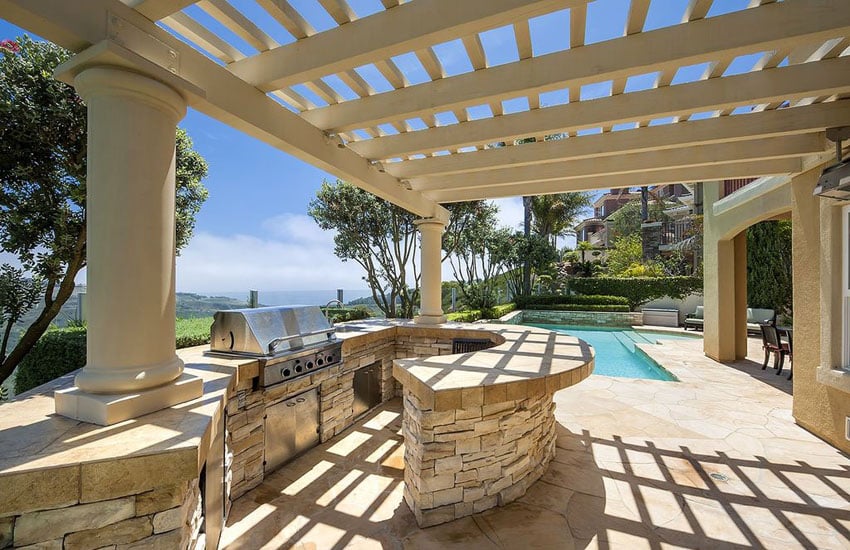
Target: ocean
297	297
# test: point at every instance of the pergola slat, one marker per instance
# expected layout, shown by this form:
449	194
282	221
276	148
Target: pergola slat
697	9
244	28
578	25
475	51
392	73
357	83
638	11
159	9
638	179
780	25
795	82
204	38
408	27
705	155
289	18
339	10
431	63
687	134
522	32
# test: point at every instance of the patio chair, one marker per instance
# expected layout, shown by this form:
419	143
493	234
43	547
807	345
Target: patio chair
772	344
790	352
696	319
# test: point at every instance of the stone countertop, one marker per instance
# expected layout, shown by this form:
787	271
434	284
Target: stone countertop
524	362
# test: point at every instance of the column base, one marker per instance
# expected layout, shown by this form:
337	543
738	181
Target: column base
105	409
429	319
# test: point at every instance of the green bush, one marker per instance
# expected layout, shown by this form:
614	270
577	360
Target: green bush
56	353
578	307
472	315
62	350
530	302
343	314
638	290
193	332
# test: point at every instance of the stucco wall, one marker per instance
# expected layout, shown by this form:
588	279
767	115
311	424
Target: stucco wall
820	408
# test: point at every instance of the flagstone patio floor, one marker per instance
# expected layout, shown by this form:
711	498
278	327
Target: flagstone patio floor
712	461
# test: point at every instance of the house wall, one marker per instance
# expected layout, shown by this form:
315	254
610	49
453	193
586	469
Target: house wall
820	403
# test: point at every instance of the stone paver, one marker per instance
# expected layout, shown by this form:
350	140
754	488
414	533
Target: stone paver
712	461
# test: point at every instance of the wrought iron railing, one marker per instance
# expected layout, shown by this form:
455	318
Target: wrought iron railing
676	231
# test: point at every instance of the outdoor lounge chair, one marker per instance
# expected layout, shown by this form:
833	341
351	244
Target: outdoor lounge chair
755	317
772	345
790	353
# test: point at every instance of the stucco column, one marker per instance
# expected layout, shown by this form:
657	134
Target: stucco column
719	276
740	249
131	231
431	300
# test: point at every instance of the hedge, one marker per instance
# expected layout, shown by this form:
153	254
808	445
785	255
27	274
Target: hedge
528	302
472	315
342	314
62	350
637	290
578	307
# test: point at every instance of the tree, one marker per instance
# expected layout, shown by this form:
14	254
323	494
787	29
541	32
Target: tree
43	179
769	274
628	218
381	238
536	251
625	253
556	215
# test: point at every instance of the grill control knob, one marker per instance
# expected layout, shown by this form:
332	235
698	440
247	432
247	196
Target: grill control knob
309	364
298	368
285	372
320	361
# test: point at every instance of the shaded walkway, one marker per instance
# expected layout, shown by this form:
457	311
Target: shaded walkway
713	461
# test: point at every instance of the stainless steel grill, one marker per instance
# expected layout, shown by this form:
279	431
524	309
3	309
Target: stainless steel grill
289	341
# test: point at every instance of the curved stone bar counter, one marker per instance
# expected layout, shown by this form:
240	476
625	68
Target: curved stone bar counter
479	427
478	430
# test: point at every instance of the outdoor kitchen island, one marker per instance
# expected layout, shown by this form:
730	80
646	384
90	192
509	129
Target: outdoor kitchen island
477	429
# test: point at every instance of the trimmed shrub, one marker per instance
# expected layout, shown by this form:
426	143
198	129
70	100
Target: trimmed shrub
638	290
528	302
62	350
578	307
472	315
56	353
343	314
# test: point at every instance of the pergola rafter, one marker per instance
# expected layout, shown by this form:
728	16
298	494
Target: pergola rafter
435	137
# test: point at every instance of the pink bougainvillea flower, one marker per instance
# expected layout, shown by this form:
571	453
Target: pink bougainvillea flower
10	45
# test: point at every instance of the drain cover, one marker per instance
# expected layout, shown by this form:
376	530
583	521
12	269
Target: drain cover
718	477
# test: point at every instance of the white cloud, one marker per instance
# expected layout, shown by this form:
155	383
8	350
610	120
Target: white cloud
295	255
510	212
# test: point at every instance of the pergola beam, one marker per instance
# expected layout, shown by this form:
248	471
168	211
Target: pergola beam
786	83
638	179
781	122
406	28
226	98
706	155
786	24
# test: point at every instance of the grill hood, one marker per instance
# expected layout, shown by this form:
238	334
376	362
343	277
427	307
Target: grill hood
269	331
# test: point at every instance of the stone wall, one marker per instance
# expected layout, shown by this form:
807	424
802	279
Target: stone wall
460	462
164	518
584	318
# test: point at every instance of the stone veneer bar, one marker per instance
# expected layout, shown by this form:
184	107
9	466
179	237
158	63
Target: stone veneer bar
136	484
479	428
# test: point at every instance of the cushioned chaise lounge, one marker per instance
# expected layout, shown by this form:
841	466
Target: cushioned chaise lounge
755	316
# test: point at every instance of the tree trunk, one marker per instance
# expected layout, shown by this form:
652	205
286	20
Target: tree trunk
526	230
42	322
644	204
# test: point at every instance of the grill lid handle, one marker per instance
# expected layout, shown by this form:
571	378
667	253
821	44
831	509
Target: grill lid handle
273	344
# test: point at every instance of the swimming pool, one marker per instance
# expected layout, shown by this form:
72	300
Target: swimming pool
616	354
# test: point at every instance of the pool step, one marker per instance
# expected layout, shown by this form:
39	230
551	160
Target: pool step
627	342
638	337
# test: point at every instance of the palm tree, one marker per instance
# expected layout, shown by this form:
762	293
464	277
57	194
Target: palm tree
556	215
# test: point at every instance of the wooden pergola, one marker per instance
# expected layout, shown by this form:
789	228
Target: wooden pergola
765	121
418	145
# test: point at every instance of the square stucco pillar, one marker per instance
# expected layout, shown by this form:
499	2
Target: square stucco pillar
724	287
132	367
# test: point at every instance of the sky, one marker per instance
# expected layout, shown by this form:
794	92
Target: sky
254	232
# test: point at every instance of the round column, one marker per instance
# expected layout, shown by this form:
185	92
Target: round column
131	237
431	296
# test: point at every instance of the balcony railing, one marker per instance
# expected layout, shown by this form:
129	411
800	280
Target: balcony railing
730	186
676	231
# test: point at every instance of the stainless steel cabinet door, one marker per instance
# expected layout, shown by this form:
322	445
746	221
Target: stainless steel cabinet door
280	434
306	420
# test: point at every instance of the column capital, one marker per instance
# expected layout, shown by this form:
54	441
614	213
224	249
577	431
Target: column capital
106	80
430	223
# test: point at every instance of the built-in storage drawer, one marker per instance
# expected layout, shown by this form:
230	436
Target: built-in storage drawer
367	388
292	427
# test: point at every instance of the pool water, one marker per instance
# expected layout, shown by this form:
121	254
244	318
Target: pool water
616	354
